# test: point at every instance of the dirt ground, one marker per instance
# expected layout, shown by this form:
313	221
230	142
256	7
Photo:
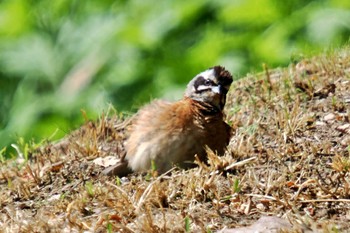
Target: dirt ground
288	157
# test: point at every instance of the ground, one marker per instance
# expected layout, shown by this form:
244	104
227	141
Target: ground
288	157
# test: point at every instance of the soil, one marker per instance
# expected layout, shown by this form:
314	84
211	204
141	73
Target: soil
288	157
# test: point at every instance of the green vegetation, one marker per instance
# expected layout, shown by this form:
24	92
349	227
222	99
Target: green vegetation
57	57
187	224
89	188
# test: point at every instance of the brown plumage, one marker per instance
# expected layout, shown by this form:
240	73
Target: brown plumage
173	133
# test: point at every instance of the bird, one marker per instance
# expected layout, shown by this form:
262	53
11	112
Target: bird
164	134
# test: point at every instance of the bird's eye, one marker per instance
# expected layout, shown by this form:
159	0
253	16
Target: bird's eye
207	82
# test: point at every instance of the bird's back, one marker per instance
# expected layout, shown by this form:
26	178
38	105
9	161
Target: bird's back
172	133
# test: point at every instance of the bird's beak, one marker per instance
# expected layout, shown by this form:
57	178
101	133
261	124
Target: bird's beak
216	89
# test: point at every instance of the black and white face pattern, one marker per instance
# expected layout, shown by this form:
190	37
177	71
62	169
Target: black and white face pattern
210	86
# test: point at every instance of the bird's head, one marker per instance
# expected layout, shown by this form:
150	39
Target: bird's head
210	87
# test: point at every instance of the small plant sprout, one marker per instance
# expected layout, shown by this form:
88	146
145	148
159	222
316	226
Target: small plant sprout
334	102
2	155
63	196
89	187
118	181
153	166
341	164
187	224
154	172
24	149
236	186
109	227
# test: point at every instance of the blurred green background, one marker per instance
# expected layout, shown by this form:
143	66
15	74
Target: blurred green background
60	56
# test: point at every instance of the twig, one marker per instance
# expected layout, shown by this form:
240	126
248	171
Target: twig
326	200
124	194
32	174
302	186
261	196
240	163
267	197
268	78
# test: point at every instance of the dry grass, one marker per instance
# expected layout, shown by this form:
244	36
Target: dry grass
289	157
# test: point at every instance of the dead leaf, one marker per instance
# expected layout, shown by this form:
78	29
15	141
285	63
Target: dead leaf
106	161
344	128
329	117
266	224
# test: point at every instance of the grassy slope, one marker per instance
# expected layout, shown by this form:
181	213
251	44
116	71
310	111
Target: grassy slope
293	121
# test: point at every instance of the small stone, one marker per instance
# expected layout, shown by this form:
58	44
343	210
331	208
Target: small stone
260	206
320	123
266	224
329	117
344	128
345	141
